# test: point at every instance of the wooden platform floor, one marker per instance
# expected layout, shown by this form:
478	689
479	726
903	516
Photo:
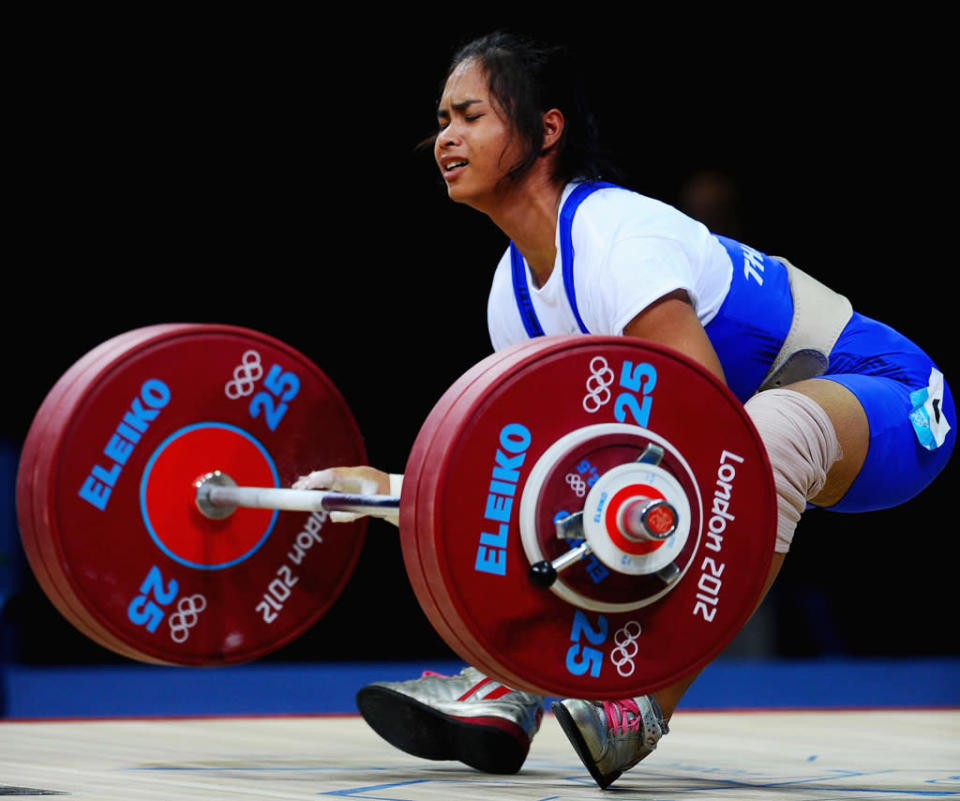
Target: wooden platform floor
730	756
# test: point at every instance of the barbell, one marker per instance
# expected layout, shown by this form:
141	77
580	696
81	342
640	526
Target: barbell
580	516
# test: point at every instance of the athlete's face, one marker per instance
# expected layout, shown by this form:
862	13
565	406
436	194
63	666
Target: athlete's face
476	145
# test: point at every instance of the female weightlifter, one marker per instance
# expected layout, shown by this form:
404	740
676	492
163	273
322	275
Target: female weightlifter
835	396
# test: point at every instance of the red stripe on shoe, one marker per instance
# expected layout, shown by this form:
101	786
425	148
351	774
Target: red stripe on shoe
493	695
473	689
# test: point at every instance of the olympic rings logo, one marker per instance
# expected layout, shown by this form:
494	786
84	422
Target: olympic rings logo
577	484
245	376
626	648
598	385
186	617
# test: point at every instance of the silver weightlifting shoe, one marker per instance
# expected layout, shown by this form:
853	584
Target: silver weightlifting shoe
611	736
467	717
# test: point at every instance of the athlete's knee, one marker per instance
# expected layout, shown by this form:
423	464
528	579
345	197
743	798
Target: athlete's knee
802	446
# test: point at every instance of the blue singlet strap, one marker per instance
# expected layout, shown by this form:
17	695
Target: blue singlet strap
577	196
520	290
522	294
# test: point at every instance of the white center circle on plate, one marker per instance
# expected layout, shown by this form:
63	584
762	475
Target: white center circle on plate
595	517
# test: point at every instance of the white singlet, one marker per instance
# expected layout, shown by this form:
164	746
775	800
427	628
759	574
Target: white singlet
630	250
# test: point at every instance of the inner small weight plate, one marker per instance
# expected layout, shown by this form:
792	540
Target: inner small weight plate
106	496
462	494
562	481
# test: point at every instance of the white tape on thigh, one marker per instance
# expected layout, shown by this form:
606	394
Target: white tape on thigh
802	446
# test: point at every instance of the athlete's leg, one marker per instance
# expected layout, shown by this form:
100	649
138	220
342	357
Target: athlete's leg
871	416
853	434
796	467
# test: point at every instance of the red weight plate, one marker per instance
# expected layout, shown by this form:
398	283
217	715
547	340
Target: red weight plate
415	474
51	413
422	477
106	495
470	477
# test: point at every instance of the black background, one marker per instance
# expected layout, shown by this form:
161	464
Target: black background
262	171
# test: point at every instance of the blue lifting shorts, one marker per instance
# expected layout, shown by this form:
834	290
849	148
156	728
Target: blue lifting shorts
891	377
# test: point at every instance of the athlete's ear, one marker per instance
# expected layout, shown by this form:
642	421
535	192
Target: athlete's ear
553	124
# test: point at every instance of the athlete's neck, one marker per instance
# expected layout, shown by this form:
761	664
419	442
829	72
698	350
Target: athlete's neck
527	213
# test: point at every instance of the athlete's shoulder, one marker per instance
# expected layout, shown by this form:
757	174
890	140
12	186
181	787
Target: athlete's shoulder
616	212
614	195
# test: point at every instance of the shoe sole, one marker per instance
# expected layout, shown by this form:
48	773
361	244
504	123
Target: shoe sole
489	746
570	728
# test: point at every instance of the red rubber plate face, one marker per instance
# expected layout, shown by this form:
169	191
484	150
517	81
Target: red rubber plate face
418	473
36	457
469	479
106	494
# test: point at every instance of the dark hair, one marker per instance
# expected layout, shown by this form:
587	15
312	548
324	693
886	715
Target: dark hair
528	78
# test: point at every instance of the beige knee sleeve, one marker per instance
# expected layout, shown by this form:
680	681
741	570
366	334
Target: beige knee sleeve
802	446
